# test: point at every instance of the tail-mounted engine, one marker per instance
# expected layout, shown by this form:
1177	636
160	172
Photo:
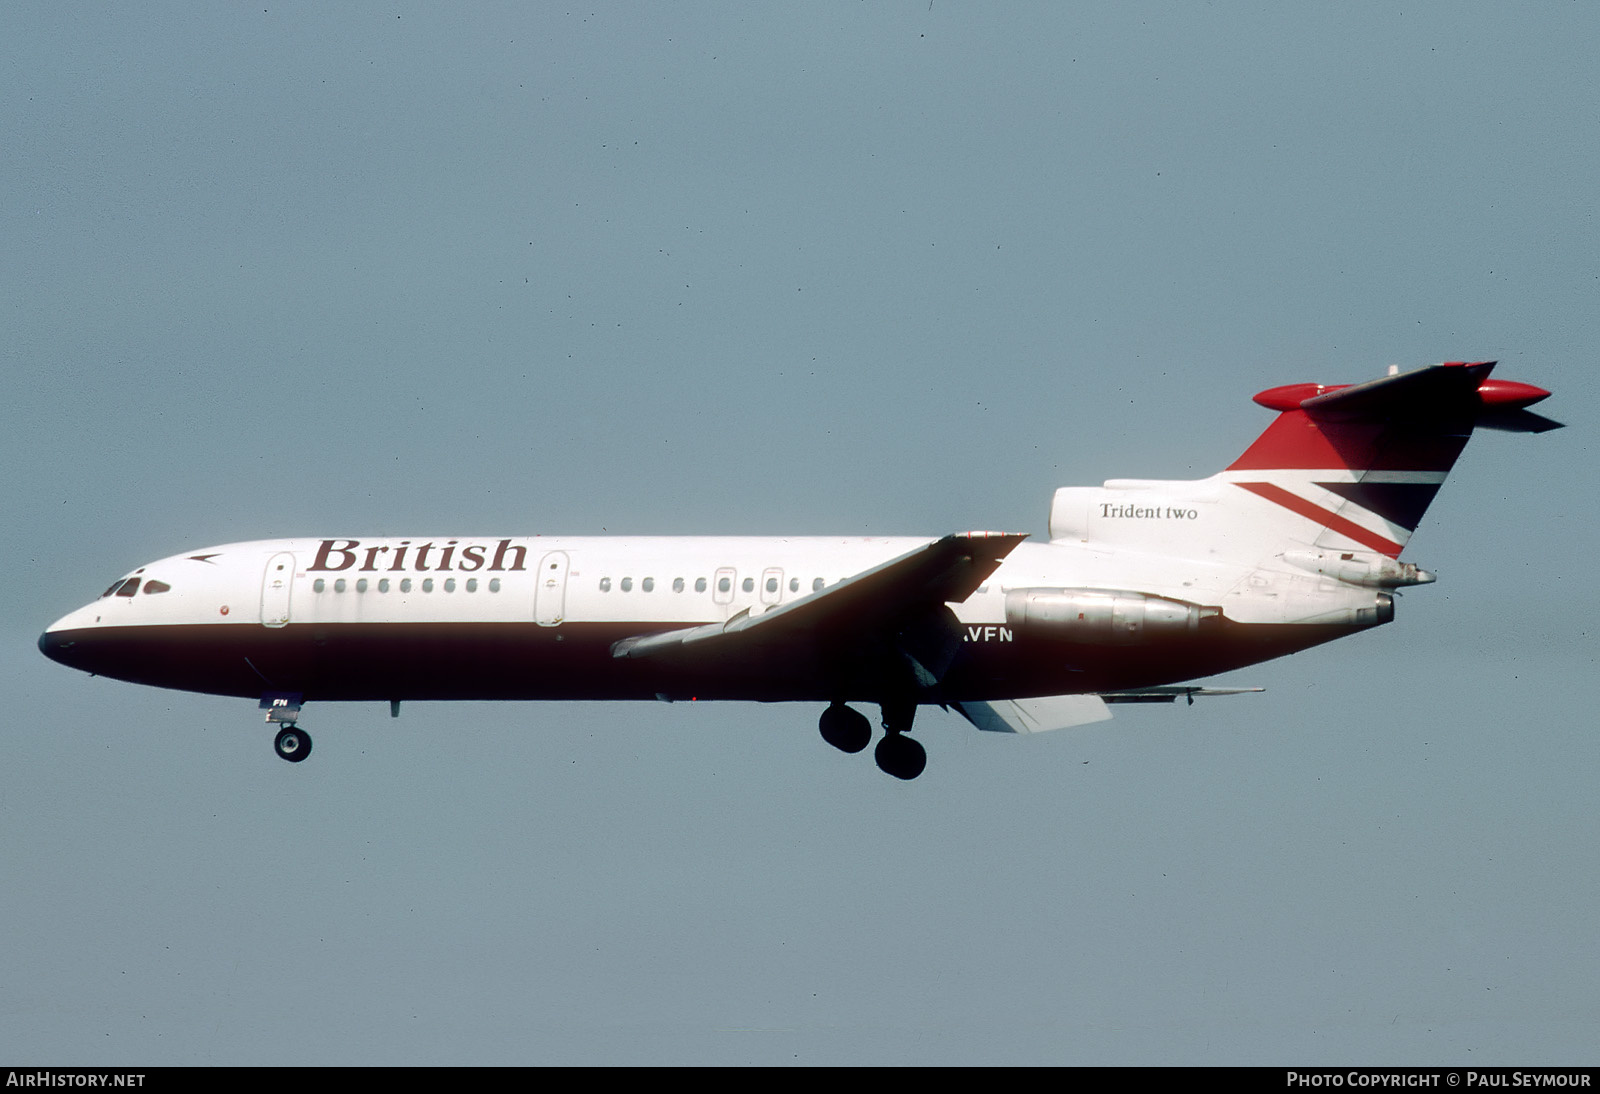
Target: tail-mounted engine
1360	568
1105	616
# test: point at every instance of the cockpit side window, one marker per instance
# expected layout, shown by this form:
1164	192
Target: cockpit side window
153	586
115	585
129	587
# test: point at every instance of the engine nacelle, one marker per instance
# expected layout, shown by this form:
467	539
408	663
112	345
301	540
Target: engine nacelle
1103	616
1359	568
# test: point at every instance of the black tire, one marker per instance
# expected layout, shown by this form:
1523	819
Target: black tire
900	756
292	743
845	728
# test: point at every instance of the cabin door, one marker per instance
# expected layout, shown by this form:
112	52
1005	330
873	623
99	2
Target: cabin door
550	598
276	584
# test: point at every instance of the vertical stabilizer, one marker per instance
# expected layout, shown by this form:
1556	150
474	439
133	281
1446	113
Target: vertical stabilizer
1356	467
1359	465
1344	473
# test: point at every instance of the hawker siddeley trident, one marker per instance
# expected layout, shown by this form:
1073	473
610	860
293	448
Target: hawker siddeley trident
1144	585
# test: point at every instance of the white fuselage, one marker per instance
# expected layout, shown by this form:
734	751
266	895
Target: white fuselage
538	617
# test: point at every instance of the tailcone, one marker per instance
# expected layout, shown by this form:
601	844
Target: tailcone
1384	609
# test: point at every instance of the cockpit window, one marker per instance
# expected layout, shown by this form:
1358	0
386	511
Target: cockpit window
154	586
129	587
115	585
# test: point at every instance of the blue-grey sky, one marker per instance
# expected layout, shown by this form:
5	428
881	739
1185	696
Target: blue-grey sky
895	268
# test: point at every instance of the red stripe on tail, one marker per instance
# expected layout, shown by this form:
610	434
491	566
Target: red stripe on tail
1324	517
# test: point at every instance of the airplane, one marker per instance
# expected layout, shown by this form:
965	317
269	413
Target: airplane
1144	586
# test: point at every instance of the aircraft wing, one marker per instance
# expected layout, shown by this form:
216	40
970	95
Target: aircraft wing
877	600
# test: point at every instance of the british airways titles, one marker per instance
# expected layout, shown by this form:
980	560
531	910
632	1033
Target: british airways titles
342	554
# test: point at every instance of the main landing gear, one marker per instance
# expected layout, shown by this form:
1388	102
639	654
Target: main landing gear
849	731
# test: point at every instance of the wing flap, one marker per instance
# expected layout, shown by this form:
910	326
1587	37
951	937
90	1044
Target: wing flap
1039	715
1171	693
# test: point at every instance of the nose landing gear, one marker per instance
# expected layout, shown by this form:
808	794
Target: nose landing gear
292	743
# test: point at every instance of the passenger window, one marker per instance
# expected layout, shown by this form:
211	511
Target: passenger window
472	584
627	584
725	585
318	585
383	584
154	586
772	584
648	584
699	584
794	584
449	584
816	586
405	584
677	584
427	584
605	584
339	585
361	585
749	585
494	584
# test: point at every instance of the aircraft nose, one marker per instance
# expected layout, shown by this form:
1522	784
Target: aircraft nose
53	645
61	638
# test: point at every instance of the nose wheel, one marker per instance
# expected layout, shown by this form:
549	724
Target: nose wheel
292	743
